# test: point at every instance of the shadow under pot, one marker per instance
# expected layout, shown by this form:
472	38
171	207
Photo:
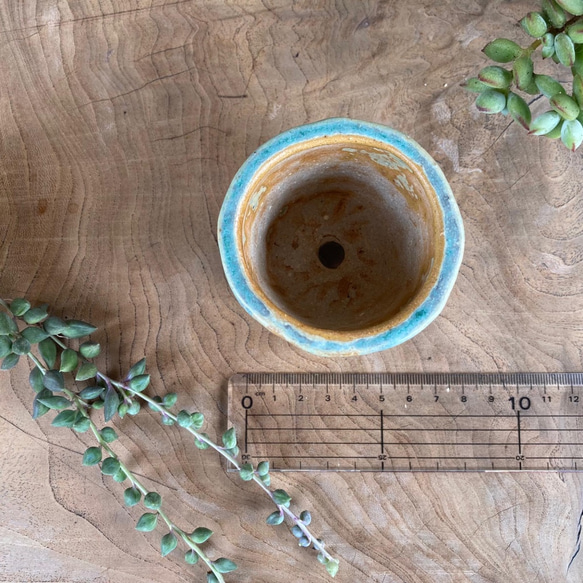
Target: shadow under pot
341	236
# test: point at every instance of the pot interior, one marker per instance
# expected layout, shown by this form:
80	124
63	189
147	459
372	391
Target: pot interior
341	234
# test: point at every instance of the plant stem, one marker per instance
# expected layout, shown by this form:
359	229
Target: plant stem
80	405
220	450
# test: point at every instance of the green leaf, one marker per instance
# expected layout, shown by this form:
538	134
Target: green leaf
281	497
491	101
168	544
572	6
119	476
132	496
19	306
77	329
97	404
21	346
322	558
519	110
297	531
523	72
36	315
38	409
82	425
495	77
201	535
57	403
184	419
246	472
332	567
10	361
34	335
306	517
211	578
266	479
5	346
230	438
502	50
554	13
69	360
108	434
223	565
122	409
109	466
565	106
534	24
65	418
86	371
89	393
53	380
90	349
134	408
475	85
92	456
48	350
572	134
7	325
548	86
544	123
158	401
169	400
574	32
191	557
197	420
556	132
578	90
138	369
548	49
139	382
112	402
153	500
147	522
54	325
263	468
36	380
202	444
565	50
275	518
304	541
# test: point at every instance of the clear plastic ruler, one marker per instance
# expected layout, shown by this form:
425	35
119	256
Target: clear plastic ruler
409	421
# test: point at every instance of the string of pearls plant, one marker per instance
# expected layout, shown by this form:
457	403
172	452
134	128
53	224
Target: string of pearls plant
558	30
23	329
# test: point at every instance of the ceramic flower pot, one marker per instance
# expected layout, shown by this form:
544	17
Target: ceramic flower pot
341	236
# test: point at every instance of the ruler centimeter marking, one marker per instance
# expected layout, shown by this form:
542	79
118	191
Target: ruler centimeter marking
348	422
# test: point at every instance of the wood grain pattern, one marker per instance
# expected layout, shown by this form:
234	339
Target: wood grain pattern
122	125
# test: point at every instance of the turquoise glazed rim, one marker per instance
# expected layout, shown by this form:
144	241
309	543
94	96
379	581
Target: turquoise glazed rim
310	339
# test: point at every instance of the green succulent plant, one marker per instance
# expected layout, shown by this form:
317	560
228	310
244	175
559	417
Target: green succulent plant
558	31
33	334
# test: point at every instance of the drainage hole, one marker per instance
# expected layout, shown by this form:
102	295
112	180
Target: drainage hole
331	254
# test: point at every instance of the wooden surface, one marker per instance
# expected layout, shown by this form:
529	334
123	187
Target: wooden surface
123	123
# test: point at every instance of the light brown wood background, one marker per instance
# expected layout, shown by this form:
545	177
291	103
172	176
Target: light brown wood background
122	123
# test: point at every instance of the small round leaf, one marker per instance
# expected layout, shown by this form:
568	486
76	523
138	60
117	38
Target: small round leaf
147	522
132	496
92	456
153	500
201	535
168	544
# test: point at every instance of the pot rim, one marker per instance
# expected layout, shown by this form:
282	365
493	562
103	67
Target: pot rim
310	340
